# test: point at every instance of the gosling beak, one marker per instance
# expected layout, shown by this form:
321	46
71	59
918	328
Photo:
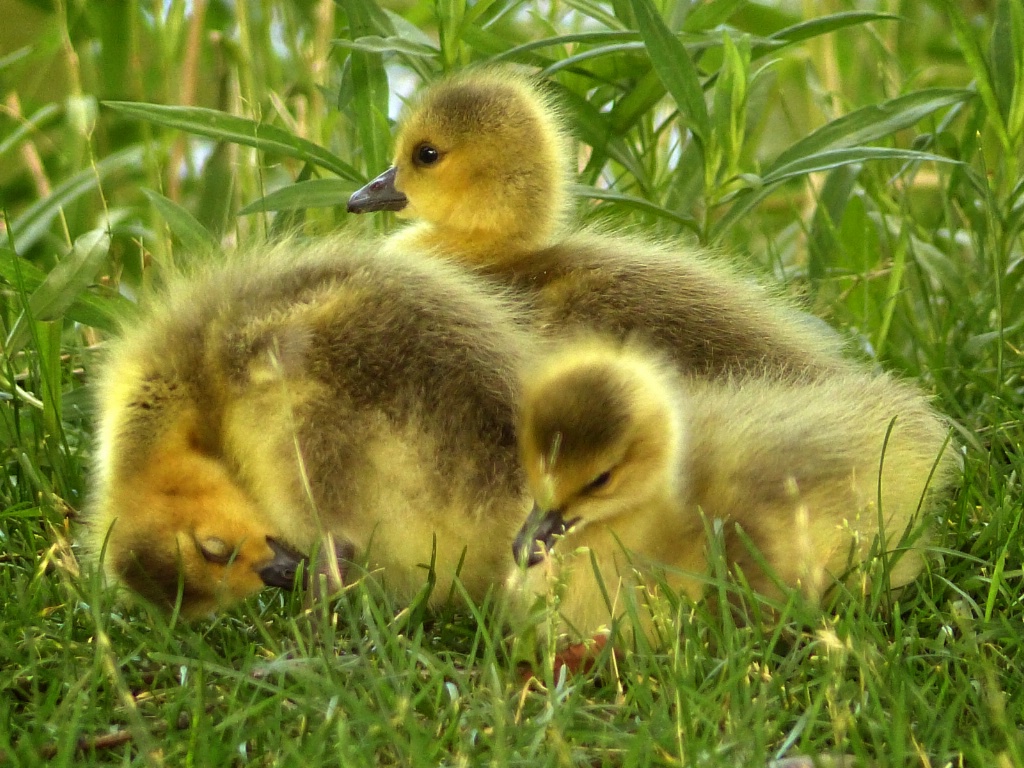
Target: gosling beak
379	195
537	536
280	572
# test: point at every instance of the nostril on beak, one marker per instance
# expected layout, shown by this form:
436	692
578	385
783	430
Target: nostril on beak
281	571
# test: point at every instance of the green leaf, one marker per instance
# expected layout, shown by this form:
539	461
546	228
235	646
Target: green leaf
1002	56
475	11
570	62
709	15
976	61
835	158
97	310
632	107
828	214
379	45
598	12
184	226
370	91
744	200
65	282
806	30
32	224
1007	55
676	70
42	117
14	57
637	203
602	37
315	193
872	123
47	339
484	42
593	128
221	126
730	108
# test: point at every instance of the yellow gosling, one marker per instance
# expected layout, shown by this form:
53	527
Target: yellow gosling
481	166
623	455
303	390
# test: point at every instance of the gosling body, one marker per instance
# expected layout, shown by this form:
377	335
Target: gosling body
482	166
305	390
632	463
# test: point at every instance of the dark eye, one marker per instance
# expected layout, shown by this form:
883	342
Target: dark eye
425	154
598	482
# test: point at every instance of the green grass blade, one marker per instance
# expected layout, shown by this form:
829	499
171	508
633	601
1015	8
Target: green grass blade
39	120
965	37
745	200
571	62
647	91
370	89
593	128
1006	52
711	14
636	203
378	45
221	126
66	281
806	30
48	336
598	12
35	220
676	70
12	58
603	37
872	123
315	193
97	311
184	226
835	158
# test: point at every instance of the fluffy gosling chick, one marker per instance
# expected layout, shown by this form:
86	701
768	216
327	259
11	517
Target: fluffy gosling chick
481	164
305	390
622	455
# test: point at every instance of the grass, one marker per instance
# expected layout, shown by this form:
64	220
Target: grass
866	157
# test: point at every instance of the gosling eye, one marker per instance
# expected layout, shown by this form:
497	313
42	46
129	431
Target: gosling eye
598	482
215	550
426	155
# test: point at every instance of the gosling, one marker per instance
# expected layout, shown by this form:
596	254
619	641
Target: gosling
629	462
306	391
481	165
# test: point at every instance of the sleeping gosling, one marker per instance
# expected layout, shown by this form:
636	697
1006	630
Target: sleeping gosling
300	391
625	459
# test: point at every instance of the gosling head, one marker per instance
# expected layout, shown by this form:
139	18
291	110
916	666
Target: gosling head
600	439
481	160
190	534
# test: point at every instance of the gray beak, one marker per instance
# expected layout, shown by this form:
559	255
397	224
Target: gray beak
537	536
281	571
379	195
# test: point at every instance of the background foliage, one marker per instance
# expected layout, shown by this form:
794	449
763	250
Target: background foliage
865	155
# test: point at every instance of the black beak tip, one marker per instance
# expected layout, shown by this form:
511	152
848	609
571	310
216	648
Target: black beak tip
537	536
528	552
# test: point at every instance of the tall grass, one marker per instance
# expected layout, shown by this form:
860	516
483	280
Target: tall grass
866	156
